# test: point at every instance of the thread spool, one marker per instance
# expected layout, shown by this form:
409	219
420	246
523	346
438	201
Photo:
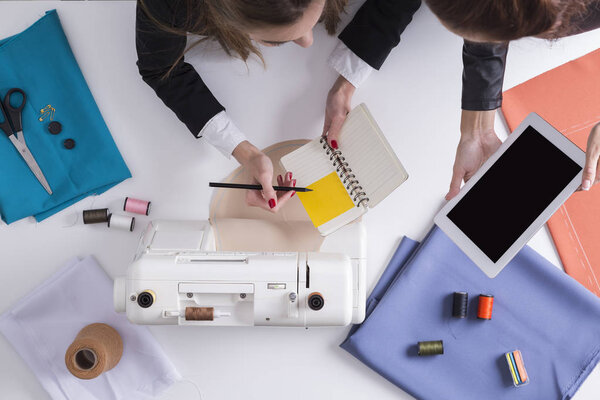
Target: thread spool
121	222
136	206
486	304
516	367
431	348
459	304
96	216
97	348
199	313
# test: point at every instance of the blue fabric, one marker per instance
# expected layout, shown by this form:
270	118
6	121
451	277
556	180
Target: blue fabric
39	61
538	309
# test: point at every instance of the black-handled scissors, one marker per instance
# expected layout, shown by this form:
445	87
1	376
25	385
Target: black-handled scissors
12	125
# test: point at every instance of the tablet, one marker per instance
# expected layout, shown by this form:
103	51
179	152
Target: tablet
513	194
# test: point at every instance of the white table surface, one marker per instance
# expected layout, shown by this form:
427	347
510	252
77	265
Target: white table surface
416	100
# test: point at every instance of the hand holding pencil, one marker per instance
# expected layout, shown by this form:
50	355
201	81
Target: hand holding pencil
285	191
259	166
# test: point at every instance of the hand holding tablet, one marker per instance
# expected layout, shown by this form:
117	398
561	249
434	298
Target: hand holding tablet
513	194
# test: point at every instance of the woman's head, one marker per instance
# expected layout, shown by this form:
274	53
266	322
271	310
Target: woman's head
296	25
505	20
238	24
270	22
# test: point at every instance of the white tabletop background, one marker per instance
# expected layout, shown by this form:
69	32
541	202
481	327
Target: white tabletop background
416	100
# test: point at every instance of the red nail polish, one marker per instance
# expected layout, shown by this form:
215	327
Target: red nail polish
293	193
272	203
334	144
293	182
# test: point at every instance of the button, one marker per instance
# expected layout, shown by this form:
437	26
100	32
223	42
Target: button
55	127
69	144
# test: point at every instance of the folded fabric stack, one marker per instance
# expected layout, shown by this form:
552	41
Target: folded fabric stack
80	158
538	309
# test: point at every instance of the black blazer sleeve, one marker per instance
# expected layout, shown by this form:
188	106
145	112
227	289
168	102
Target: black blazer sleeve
375	29
483	75
183	91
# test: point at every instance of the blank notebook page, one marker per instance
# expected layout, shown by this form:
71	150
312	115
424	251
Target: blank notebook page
370	156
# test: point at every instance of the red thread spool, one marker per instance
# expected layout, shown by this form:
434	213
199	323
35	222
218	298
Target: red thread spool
486	304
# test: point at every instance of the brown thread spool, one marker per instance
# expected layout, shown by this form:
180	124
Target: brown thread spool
486	304
95	216
199	313
97	348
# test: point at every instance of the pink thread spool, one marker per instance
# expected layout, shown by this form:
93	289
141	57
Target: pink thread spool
136	206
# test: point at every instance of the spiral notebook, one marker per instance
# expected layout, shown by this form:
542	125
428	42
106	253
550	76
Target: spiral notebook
348	181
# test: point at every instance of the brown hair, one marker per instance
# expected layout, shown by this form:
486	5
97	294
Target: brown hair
505	20
226	20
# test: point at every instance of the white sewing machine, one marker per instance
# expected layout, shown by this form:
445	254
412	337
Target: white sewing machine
177	277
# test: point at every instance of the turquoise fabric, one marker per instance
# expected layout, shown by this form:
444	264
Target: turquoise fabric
40	61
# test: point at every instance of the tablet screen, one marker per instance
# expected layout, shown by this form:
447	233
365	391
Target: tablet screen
513	193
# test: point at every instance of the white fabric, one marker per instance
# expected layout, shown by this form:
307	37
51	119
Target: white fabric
44	323
349	65
222	133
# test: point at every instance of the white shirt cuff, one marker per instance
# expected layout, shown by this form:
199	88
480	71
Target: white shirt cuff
222	133
349	65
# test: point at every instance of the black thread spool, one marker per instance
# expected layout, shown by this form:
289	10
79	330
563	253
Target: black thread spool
96	216
431	348
459	304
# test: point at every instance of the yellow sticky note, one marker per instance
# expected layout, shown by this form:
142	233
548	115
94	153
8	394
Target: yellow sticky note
328	199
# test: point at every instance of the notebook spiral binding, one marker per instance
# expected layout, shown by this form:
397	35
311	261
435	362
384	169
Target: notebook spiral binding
355	190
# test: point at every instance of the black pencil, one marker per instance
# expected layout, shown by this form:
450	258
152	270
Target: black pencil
256	187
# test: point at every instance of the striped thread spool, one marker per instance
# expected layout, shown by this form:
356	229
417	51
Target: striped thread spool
486	304
431	348
516	366
459	304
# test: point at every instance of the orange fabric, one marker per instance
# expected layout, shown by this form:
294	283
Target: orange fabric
568	97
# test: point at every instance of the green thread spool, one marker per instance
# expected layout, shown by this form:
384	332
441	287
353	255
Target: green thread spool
431	348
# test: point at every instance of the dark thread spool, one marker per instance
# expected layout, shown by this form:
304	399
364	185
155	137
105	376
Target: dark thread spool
431	348
96	216
486	304
199	313
459	304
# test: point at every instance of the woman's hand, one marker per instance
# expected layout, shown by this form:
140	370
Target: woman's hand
478	141
259	166
338	106
592	159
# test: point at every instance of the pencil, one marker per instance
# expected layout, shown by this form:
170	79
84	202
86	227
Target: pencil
256	187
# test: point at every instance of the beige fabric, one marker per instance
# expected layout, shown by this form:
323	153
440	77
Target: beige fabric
238	227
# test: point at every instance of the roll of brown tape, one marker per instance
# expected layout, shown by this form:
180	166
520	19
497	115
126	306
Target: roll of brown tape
96	349
199	313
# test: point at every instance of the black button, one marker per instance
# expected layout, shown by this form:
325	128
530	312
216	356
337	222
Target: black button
55	127
69	144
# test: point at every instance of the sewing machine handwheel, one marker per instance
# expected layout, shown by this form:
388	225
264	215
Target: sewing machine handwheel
146	299
315	301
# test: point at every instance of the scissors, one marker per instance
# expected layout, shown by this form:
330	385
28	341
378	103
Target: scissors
12	126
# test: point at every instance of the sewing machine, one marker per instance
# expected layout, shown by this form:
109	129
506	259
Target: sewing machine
177	277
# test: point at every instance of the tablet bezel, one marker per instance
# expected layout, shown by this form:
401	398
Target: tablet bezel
489	267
